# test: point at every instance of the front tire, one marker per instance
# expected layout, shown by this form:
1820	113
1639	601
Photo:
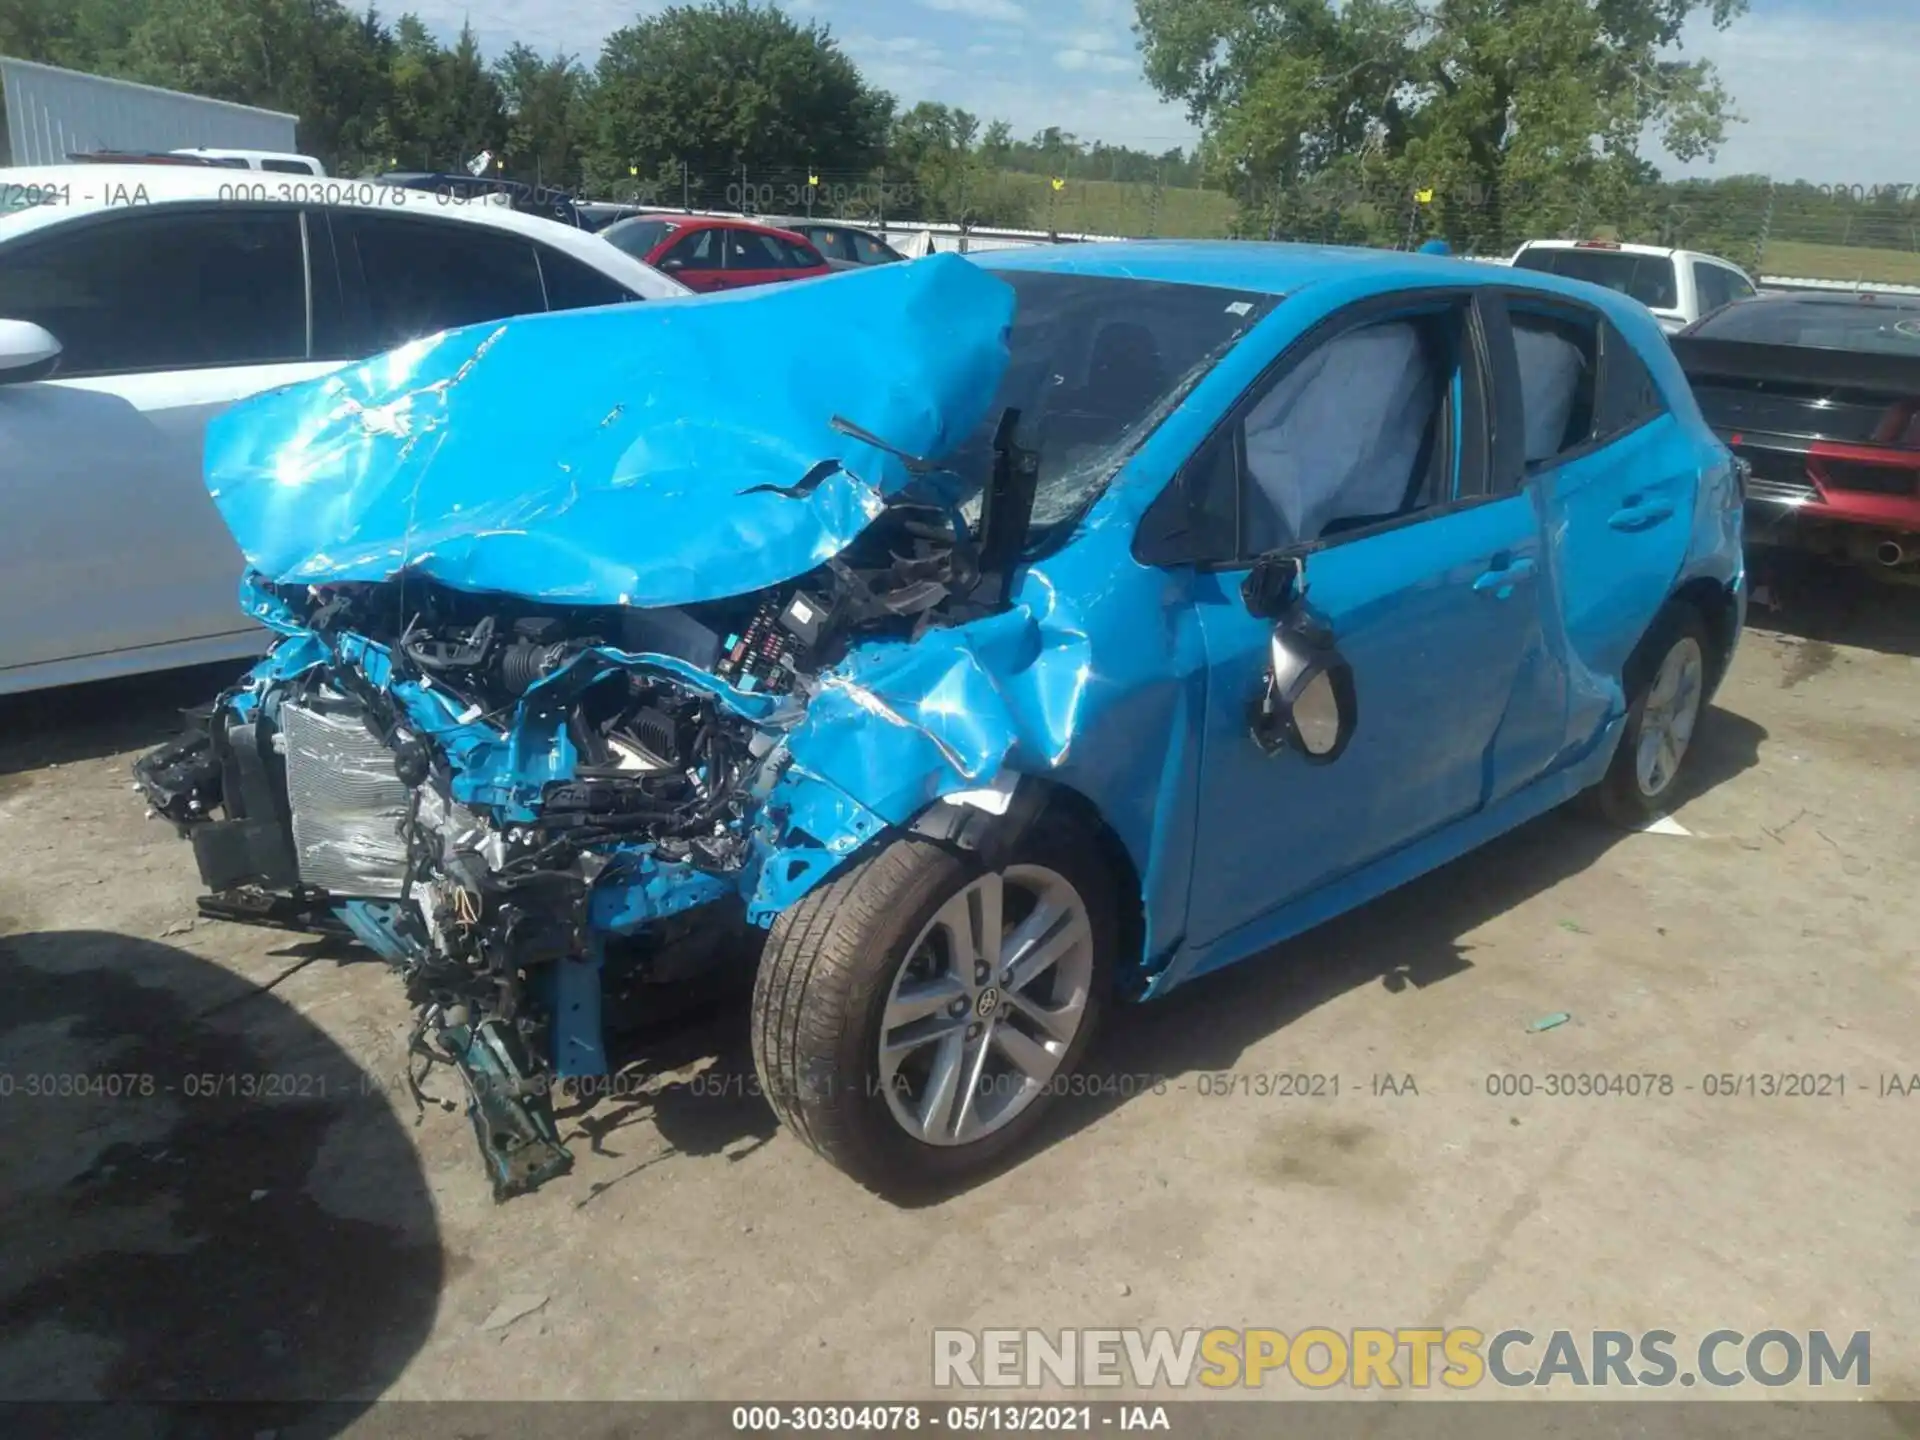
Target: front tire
915	1018
1667	695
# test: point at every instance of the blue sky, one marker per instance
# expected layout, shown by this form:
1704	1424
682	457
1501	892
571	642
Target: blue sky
1827	87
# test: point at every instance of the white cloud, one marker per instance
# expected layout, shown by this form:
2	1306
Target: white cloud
1826	99
980	9
1094	62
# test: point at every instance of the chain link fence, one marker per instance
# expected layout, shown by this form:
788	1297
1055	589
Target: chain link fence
1853	233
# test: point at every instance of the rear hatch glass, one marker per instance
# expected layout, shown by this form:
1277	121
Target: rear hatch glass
1646	278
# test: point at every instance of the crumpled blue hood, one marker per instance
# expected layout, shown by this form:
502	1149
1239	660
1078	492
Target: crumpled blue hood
640	455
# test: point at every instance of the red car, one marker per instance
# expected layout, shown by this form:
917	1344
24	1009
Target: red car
703	253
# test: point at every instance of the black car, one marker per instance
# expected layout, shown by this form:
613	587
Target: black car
1820	394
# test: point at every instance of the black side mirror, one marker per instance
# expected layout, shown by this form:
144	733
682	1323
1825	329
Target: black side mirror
1306	702
1272	585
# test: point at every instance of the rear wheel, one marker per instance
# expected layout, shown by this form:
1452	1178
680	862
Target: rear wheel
914	1019
1668	683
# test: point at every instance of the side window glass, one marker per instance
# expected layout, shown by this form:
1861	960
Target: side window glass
697	251
1559	364
1628	394
158	291
1351	436
1741	289
1709	286
423	276
835	244
869	251
747	250
574	285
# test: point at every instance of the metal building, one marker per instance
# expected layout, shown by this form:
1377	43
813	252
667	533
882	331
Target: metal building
52	113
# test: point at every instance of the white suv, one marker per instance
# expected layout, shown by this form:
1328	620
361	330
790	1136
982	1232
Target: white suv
137	301
1678	286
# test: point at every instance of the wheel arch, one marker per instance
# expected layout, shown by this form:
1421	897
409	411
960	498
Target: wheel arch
1716	604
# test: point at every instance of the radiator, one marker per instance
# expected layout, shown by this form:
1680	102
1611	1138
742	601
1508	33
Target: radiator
349	808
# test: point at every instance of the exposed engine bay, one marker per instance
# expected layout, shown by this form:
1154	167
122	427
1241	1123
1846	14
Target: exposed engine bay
526	807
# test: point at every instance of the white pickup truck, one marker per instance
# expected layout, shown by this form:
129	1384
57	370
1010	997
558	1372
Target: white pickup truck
1678	286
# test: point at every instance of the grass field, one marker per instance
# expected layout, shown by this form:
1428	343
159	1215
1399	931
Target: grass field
1109	207
1801	260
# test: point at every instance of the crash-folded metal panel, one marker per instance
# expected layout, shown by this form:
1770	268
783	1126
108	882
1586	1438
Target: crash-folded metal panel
638	455
349	808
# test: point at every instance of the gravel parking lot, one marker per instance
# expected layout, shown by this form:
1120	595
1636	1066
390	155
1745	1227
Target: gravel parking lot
253	1208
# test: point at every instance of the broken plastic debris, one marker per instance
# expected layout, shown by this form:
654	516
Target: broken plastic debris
258	1195
1549	1022
1665	825
514	1307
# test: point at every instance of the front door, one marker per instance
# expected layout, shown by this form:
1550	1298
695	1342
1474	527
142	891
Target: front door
1367	454
165	317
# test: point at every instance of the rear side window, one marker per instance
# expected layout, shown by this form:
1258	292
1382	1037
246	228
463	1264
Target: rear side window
1628	394
287	167
750	250
637	237
418	277
1559	356
575	285
1717	286
699	251
1649	279
165	290
834	244
869	251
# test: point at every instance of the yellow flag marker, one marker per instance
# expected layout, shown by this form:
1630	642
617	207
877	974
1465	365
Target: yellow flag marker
633	170
1425	197
1059	184
813	179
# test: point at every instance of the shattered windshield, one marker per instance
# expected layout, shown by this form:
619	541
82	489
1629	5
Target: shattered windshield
1096	363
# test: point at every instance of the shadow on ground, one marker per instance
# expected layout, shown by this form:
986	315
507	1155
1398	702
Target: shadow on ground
85	722
1408	939
206	1198
1827	604
689	1075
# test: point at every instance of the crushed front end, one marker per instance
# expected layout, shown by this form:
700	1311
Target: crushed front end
525	807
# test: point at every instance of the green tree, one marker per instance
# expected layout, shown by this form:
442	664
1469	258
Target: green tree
712	85
952	179
445	105
547	106
1514	114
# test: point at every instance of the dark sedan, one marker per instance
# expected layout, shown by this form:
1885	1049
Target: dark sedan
1820	395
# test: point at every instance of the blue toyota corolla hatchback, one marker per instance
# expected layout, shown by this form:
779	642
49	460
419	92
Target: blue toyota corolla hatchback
982	643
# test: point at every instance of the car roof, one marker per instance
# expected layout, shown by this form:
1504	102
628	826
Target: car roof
92	189
1665	252
1280	269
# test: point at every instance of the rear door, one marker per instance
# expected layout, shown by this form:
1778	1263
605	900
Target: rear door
1615	478
756	259
1367	451
166	315
405	276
